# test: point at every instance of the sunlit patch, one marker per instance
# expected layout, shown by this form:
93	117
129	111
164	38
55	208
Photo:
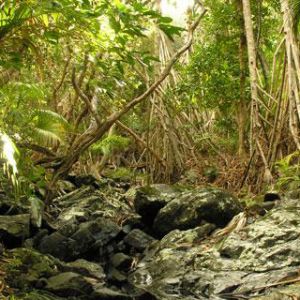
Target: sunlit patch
176	9
8	152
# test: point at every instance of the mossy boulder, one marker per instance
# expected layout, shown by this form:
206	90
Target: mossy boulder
26	267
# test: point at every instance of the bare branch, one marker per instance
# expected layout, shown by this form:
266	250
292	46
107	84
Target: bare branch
85	98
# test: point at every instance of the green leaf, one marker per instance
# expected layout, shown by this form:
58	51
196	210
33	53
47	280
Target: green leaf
171	30
115	24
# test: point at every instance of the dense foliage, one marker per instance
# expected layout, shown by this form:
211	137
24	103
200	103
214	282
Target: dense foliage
90	86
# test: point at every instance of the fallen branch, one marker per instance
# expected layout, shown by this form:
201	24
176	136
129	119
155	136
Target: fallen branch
37	148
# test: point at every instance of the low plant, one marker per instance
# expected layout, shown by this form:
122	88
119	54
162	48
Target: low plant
288	169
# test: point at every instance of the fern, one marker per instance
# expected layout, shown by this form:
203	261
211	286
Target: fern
50	128
289	172
110	144
295	7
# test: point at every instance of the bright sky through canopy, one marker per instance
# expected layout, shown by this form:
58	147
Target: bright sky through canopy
176	9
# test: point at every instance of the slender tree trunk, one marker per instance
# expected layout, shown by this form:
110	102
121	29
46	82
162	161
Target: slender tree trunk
252	69
256	126
242	105
293	70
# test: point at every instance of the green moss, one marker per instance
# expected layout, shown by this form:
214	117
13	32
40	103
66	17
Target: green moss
35	295
120	174
26	266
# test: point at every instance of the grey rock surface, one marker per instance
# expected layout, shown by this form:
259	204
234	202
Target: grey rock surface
240	264
14	228
192	208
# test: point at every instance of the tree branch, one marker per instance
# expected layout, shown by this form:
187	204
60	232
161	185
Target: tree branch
142	142
85	98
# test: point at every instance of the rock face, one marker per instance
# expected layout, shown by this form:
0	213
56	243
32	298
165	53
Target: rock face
75	255
192	208
150	199
242	265
14	229
138	239
98	247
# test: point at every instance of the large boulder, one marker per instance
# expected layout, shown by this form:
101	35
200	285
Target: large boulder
192	208
248	263
149	200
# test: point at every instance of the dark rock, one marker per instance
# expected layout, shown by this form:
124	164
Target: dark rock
71	242
121	261
14	229
116	275
68	229
36	239
150	199
138	239
190	209
69	284
105	293
105	234
81	180
86	268
59	246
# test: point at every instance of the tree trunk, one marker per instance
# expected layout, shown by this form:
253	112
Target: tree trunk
252	69
293	70
256	126
242	105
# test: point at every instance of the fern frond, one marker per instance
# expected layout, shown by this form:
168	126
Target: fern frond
46	116
111	143
295	7
46	137
50	128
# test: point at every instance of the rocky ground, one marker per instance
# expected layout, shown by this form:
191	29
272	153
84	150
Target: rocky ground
107	240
